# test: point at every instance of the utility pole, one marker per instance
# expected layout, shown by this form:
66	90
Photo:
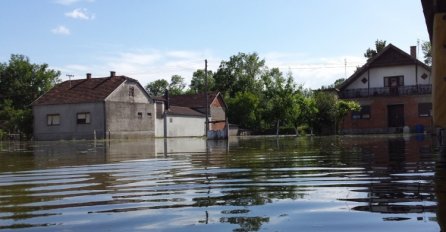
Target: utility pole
206	94
345	68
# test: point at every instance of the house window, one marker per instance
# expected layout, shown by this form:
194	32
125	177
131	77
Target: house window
131	91
53	119
170	120
424	109
393	81
83	118
149	114
363	113
139	115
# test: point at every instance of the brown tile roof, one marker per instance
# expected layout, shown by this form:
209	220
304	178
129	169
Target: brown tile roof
81	91
192	100
185	111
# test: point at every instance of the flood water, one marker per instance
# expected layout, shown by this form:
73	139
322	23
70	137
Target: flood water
345	183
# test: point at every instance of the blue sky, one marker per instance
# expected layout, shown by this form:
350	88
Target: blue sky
153	39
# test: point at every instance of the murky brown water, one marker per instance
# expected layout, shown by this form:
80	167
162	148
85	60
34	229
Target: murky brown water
364	183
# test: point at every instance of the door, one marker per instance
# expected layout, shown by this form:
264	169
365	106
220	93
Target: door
395	115
393	83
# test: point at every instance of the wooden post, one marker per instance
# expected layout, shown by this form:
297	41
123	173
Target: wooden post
439	71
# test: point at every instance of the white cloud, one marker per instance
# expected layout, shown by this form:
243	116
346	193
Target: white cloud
61	30
314	72
80	13
147	66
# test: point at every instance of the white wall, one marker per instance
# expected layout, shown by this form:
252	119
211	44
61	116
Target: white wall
358	84
181	126
422	71
376	79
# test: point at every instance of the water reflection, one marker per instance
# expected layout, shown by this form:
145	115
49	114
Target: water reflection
403	171
246	184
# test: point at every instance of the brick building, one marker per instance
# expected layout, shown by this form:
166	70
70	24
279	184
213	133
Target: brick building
394	90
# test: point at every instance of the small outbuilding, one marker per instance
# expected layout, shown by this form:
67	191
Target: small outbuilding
186	115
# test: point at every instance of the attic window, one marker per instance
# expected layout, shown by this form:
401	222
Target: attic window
131	91
424	76
364	80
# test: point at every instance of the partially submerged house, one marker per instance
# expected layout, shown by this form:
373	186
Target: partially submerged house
107	107
186	115
394	90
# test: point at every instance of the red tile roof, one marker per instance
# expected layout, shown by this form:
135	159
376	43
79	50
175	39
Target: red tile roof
81	91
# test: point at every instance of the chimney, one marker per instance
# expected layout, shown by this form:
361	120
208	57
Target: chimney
112	73
88	75
413	51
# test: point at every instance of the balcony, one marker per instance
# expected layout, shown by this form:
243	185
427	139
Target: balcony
386	91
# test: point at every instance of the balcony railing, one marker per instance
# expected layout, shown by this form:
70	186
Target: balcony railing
387	91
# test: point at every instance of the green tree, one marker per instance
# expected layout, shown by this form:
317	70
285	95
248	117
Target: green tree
426	47
331	111
279	100
326	108
176	85
379	46
243	109
157	88
342	109
22	82
307	112
241	73
197	84
336	84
